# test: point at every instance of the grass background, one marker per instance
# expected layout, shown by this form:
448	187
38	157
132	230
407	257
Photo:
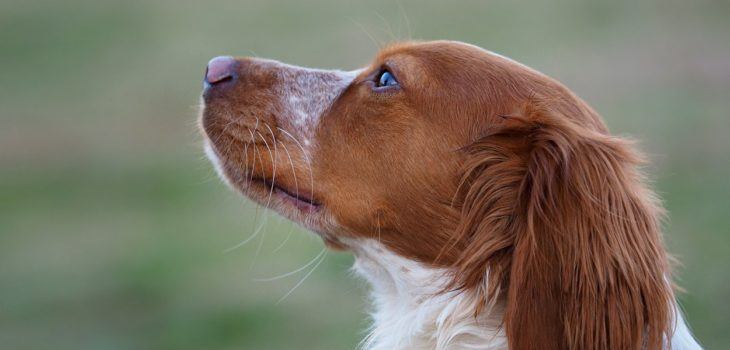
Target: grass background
113	225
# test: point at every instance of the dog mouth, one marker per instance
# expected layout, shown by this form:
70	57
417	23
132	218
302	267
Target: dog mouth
303	201
300	205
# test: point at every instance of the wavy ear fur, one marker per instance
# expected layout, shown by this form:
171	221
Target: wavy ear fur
558	223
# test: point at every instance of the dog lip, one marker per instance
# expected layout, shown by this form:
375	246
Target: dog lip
301	198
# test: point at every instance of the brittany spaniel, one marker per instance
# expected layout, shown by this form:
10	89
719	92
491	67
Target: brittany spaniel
488	206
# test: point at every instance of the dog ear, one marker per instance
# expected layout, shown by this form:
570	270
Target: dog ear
558	223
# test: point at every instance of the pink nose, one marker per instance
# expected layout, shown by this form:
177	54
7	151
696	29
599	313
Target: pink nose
220	69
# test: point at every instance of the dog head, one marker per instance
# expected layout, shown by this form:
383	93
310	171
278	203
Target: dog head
456	157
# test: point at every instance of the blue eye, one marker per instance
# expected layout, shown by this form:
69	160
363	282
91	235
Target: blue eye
386	79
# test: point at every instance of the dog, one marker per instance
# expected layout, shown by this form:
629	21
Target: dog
488	206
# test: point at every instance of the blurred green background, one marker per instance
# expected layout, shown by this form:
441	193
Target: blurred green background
113	225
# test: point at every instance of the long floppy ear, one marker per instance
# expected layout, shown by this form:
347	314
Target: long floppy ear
558	223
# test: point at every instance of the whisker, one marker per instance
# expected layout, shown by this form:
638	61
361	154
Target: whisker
255	149
245	160
255	153
273	164
387	24
306	157
258	228
276	152
268	201
248	239
405	17
261	158
261	243
293	272
296	190
286	239
324	256
223	132
378	45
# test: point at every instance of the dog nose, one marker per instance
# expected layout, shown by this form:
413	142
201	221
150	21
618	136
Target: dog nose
220	69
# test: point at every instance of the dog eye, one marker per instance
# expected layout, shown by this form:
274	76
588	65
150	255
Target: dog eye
385	79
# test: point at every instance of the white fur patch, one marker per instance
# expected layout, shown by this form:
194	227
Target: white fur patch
411	312
682	338
304	94
215	160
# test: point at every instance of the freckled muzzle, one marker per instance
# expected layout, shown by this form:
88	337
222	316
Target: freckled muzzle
260	117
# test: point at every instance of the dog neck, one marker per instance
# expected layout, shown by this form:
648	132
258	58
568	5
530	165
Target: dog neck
411	309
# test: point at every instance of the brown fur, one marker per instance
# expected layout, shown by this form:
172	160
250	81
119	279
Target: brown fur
563	223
